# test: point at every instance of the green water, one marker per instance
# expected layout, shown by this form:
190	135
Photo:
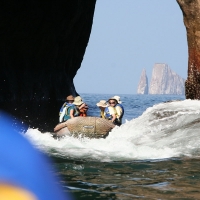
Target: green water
159	179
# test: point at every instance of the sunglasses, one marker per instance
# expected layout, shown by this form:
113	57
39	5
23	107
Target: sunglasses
111	102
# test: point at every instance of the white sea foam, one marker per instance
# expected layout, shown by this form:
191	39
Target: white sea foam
163	131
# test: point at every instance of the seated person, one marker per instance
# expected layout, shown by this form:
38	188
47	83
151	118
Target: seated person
81	106
68	109
107	112
115	102
102	105
119	108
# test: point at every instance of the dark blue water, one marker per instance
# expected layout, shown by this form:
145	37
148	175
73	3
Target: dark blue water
134	105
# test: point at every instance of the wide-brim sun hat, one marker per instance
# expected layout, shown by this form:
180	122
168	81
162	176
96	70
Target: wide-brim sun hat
78	101
113	98
118	99
102	103
70	98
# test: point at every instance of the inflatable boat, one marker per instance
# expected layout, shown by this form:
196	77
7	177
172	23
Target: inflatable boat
91	127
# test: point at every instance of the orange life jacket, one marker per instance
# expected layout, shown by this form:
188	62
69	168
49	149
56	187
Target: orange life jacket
83	112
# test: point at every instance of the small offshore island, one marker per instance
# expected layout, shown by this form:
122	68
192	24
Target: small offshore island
163	81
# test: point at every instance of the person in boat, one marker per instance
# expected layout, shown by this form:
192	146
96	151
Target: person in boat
81	106
116	103
102	104
118	106
68	110
107	112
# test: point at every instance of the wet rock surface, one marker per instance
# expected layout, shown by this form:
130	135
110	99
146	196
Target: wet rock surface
191	14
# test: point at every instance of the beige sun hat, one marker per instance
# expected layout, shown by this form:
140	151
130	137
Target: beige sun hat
78	101
102	103
70	98
118	99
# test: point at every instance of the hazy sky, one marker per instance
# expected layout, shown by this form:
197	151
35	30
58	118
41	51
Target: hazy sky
128	36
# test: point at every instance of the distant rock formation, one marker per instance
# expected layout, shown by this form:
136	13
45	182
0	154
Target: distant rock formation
165	81
143	83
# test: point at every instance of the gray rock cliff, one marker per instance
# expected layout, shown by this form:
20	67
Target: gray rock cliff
165	81
143	83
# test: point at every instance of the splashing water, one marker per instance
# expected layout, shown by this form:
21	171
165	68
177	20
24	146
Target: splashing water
165	130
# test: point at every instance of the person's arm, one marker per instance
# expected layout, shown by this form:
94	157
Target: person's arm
71	113
86	106
82	106
113	117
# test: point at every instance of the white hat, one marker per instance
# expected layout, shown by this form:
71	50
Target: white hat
102	103
78	101
117	98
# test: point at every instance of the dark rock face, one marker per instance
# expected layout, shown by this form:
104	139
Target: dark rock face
191	14
42	44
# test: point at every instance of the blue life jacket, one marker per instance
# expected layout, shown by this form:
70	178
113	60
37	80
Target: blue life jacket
67	112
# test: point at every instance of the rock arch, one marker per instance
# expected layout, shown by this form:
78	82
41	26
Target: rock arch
42	44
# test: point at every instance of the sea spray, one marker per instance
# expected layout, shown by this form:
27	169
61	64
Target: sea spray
165	130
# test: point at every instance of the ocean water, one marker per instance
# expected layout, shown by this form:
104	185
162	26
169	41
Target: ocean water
153	155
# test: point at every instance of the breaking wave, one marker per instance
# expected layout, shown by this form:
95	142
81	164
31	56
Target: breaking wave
165	130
